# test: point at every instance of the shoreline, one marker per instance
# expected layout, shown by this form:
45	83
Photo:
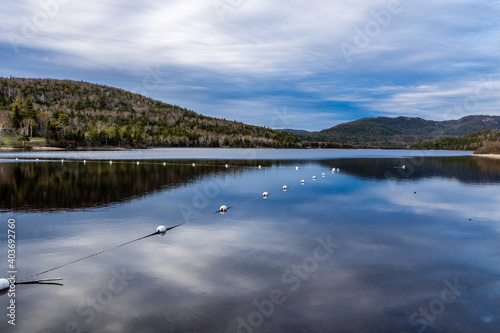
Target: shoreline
493	156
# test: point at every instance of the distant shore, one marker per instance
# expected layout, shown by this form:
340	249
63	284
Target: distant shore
495	156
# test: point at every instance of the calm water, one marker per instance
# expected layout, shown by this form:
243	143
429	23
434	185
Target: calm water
372	248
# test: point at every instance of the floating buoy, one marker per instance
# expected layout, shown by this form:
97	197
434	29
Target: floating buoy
223	209
37	159
296	168
4	284
194	164
403	167
62	160
265	195
227	166
17	159
164	164
285	188
138	163
161	229
84	161
338	170
314	177
302	181
333	170
260	166
323	174
110	162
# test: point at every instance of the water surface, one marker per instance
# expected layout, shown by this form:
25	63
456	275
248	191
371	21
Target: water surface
413	249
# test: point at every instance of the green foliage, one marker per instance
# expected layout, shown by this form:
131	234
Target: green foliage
401	132
477	141
70	113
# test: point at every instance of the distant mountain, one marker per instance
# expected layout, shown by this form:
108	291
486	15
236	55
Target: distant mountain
76	113
400	132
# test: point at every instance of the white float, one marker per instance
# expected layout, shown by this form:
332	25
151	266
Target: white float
223	209
323	174
138	163
4	284
84	161
110	162
161	229
194	164
164	164
227	166
314	177
338	170
296	168
285	188
302	181
260	166
265	195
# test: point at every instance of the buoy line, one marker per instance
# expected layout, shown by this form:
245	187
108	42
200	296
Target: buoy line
199	163
161	230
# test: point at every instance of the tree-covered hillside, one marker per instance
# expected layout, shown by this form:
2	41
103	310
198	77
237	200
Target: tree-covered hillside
400	132
70	113
481	142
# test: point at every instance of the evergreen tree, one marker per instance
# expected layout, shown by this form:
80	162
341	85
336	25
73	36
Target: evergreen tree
17	116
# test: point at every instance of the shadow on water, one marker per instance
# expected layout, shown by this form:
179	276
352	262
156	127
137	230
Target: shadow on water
46	186
465	169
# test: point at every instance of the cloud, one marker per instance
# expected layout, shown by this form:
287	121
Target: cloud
229	58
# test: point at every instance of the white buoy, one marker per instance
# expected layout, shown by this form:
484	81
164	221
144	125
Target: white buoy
161	229
296	168
265	195
223	209
17	159
164	164
138	163
110	162
37	159
227	166
4	284
323	174
403	167
285	188
260	166
314	177
338	170
302	181
194	164
84	161
62	160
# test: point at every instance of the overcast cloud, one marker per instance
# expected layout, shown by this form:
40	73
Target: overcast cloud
282	64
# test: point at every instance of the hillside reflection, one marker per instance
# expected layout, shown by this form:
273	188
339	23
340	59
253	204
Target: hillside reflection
55	186
467	169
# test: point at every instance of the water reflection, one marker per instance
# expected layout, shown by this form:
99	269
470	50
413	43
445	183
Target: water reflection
395	249
53	185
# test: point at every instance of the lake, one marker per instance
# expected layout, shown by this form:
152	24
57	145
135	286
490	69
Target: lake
391	241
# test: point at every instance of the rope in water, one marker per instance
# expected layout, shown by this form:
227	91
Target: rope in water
223	209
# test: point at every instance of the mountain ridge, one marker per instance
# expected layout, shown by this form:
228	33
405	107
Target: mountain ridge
399	132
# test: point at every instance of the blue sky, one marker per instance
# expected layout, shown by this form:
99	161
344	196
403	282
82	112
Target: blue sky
281	64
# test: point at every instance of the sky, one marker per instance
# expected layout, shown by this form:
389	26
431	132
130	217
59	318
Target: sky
280	64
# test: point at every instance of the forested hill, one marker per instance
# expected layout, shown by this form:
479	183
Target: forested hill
72	113
400	132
